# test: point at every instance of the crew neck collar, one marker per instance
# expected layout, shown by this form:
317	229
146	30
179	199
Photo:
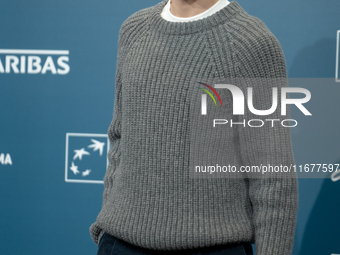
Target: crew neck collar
181	28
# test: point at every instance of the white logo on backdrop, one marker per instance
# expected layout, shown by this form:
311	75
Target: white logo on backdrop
335	176
337	57
85	160
19	61
5	159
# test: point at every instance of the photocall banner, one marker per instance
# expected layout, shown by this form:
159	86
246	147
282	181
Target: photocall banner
57	90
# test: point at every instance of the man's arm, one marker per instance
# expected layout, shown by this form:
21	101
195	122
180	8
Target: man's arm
274	200
114	134
131	30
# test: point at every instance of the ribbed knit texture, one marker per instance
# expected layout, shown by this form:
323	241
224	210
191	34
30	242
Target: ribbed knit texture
149	199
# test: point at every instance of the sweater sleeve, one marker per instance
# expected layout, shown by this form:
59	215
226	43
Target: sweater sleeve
114	135
274	199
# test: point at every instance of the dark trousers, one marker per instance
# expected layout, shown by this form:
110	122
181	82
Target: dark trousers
110	245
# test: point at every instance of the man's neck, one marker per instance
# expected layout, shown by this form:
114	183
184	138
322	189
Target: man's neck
189	8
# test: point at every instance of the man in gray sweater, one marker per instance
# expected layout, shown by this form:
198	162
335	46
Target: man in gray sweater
151	205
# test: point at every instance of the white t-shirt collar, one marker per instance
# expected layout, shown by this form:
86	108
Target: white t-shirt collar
167	15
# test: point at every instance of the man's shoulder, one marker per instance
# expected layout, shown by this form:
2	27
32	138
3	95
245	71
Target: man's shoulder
136	19
250	35
248	28
134	26
253	45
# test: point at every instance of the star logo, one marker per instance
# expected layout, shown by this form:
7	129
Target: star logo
86	157
97	146
79	153
74	169
86	173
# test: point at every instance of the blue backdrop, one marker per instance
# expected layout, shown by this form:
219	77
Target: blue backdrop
57	71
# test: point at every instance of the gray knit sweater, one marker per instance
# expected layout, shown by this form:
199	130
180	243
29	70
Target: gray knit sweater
149	199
